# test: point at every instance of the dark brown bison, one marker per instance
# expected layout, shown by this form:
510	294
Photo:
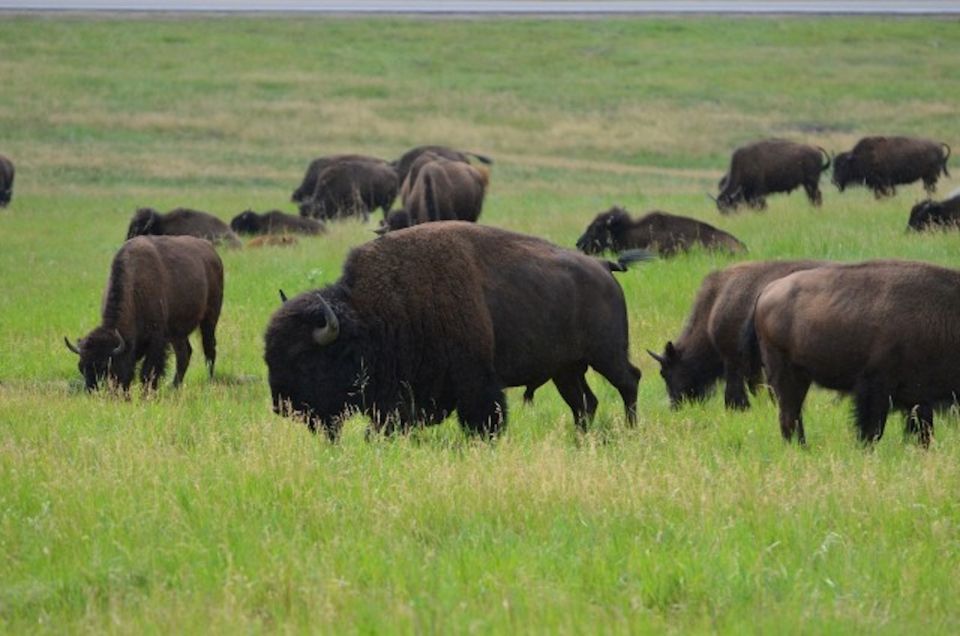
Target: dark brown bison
882	163
447	190
770	166
667	234
161	288
405	162
274	222
709	346
884	331
440	318
935	214
345	188
308	186
181	222
7	173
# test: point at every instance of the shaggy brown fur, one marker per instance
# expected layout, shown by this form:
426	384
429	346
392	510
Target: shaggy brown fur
935	214
346	188
446	190
160	290
882	163
885	331
770	166
404	163
274	222
443	316
7	173
308	186
667	234
181	222
709	346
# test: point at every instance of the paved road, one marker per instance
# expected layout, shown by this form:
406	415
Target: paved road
902	7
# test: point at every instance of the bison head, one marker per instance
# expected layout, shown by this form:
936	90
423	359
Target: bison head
686	379
144	221
99	354
604	231
924	214
5	196
247	222
729	197
315	355
846	171
396	220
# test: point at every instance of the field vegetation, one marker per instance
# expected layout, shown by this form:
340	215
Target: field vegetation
198	510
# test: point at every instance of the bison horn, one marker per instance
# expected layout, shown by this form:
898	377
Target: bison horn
283	297
656	357
329	332
121	346
711	197
71	346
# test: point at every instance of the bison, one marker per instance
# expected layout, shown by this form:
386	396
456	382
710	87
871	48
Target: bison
351	187
308	186
884	331
939	214
181	222
405	162
709	346
440	318
667	234
161	288
447	190
882	163
274	222
7	173
770	166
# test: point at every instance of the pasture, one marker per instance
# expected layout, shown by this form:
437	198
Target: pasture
199	510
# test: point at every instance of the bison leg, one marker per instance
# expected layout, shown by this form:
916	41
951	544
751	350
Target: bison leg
790	385
624	377
182	350
813	193
154	364
930	184
735	394
575	391
871	406
919	421
208	336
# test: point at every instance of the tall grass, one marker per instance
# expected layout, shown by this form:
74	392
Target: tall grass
198	510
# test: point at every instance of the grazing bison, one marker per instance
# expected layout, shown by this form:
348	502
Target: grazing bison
884	331
446	190
161	288
7	173
440	318
346	188
938	214
882	163
274	222
666	233
770	166
709	346
405	163
181	222
308	186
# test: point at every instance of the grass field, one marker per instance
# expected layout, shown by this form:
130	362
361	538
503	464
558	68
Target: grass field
198	510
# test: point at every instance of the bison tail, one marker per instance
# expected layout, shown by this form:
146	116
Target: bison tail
945	158
628	257
826	155
430	198
750	351
481	158
484	176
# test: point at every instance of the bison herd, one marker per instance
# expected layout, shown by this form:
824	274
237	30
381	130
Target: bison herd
440	314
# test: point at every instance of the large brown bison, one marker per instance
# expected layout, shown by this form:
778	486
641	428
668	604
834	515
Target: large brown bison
882	163
350	187
308	186
444	190
667	234
885	331
405	162
274	222
161	288
770	166
440	318
7	173
709	346
181	222
935	214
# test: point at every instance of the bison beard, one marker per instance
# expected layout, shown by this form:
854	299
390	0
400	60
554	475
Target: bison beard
440	318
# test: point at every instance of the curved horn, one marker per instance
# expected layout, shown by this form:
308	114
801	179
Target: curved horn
329	332
656	357
121	346
711	197
283	297
71	346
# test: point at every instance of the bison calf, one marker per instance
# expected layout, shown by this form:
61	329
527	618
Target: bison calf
440	318
667	234
935	214
274	222
7	173
160	290
770	166
181	222
882	163
884	331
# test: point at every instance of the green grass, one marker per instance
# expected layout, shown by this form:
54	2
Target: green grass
198	510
